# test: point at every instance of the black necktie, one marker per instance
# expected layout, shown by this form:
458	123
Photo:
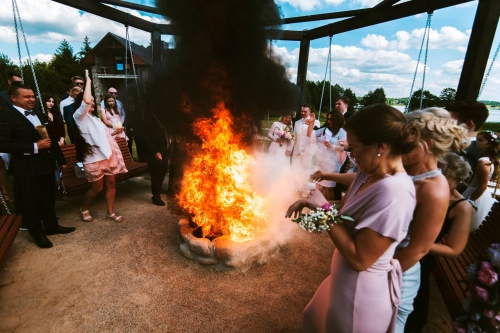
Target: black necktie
29	113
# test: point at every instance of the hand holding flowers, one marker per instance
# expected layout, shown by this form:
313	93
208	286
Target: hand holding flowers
285	135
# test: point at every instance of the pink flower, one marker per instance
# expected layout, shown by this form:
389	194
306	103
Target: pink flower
482	294
490	313
487	275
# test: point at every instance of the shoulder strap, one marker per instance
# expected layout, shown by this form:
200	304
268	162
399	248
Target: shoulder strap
455	203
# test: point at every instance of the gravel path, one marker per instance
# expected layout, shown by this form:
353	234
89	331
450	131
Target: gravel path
130	277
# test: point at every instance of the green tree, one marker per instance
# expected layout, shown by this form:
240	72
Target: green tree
6	65
47	78
428	100
85	49
447	95
374	97
353	100
65	64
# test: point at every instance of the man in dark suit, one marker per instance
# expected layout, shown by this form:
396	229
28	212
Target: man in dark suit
33	162
12	77
150	134
341	105
473	115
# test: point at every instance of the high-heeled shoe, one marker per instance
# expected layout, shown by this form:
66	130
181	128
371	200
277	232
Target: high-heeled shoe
87	218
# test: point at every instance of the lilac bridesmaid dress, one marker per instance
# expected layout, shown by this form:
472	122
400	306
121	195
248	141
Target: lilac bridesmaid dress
349	301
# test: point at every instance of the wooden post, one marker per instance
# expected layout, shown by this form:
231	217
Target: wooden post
157	48
303	60
478	50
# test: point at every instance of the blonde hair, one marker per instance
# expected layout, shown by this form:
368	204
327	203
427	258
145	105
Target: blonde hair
455	167
436	124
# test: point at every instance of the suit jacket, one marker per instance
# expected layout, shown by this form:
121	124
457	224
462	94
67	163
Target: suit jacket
153	136
5	101
17	137
347	115
304	145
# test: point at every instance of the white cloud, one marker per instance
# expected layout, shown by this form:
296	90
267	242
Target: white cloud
46	21
446	37
365	3
37	57
306	5
453	67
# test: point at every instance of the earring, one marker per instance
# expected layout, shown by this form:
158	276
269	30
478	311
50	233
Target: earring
378	154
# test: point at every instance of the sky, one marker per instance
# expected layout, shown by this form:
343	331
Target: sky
383	55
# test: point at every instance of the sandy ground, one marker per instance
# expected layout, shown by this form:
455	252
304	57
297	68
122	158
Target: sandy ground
130	277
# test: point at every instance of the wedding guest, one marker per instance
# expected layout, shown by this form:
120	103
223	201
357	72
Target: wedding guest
54	115
3	180
112	117
32	164
456	226
331	155
119	105
439	134
471	114
99	152
281	147
488	146
67	111
361	293
304	145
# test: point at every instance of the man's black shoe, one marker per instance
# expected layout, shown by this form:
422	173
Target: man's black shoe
43	242
60	230
158	201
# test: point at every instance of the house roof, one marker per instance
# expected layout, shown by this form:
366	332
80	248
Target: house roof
139	51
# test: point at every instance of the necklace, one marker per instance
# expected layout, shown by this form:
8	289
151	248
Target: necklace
428	174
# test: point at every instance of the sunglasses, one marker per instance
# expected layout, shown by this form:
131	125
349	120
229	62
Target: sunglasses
79	83
114	93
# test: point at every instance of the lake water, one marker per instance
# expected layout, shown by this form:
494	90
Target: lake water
493	118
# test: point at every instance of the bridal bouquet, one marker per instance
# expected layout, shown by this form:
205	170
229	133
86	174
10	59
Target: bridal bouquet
319	220
286	134
483	307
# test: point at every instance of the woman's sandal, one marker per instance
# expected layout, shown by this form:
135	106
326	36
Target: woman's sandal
7	198
114	217
87	218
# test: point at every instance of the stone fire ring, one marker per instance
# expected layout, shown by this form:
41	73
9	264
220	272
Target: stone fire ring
224	253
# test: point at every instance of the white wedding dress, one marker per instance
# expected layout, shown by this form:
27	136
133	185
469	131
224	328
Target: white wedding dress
483	203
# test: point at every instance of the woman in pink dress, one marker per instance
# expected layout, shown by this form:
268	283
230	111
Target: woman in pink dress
99	153
363	290
112	117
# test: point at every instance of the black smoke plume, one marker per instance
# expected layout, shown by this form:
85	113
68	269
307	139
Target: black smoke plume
221	54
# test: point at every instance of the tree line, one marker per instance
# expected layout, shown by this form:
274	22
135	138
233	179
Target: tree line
53	76
317	93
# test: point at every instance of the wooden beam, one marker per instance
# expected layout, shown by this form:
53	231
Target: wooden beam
305	44
478	50
110	13
318	17
130	5
382	15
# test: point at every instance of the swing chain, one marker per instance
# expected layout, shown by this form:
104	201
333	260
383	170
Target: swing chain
16	10
488	73
328	63
17	39
428	26
126	60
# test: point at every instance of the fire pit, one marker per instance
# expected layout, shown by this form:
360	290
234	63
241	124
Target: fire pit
228	216
224	253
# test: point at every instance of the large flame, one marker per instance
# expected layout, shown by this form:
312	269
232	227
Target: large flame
215	188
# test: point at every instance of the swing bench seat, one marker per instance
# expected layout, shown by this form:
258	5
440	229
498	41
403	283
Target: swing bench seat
9	227
451	273
75	186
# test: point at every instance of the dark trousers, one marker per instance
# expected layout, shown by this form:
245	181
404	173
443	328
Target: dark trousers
35	201
158	171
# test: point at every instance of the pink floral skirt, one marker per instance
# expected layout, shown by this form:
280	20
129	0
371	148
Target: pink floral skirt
112	166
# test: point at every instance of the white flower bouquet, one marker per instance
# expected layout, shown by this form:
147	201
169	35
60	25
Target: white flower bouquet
320	219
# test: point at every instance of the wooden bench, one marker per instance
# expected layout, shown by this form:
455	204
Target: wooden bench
9	227
451	273
75	186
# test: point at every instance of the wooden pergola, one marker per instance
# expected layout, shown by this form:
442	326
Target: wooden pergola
476	58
